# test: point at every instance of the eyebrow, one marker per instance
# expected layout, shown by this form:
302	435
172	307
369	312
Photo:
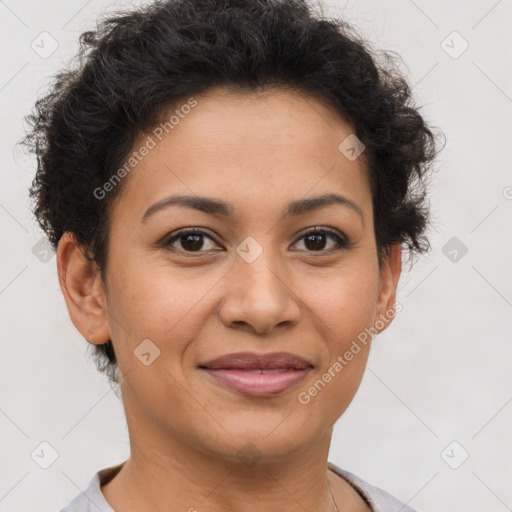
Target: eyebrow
217	207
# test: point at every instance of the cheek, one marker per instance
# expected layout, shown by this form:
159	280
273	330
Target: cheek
342	313
345	303
162	305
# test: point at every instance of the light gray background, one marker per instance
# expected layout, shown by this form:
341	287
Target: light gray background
440	373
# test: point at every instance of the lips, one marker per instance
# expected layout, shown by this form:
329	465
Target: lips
258	374
251	361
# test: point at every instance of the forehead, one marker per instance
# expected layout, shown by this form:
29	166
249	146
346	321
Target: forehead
273	145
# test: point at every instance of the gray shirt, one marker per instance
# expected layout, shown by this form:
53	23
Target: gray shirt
92	499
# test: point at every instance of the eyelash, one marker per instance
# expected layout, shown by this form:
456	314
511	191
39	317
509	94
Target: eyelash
343	243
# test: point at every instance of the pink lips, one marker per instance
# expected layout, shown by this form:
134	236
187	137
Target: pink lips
258	374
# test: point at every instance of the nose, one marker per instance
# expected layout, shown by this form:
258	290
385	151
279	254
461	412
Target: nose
258	297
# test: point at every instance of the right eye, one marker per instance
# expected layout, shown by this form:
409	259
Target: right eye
190	240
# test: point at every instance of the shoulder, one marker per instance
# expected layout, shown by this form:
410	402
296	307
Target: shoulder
92	499
379	500
79	503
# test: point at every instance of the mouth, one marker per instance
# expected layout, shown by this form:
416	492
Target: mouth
258	374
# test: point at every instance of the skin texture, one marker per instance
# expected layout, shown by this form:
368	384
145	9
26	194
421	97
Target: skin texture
257	152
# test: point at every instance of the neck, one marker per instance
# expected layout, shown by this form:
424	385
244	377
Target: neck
169	475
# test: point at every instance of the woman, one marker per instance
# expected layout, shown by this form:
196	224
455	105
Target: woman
229	186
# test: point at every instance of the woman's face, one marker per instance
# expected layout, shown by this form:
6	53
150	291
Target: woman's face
249	278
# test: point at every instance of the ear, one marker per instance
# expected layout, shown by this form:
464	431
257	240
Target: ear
83	291
388	282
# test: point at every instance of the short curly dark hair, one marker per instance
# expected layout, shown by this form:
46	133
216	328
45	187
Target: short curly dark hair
136	64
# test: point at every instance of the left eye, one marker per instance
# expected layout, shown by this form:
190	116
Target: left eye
315	240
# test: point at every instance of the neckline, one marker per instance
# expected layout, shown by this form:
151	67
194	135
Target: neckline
348	478
107	474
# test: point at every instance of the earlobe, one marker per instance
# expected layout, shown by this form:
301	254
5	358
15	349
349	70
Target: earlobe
83	291
388	282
